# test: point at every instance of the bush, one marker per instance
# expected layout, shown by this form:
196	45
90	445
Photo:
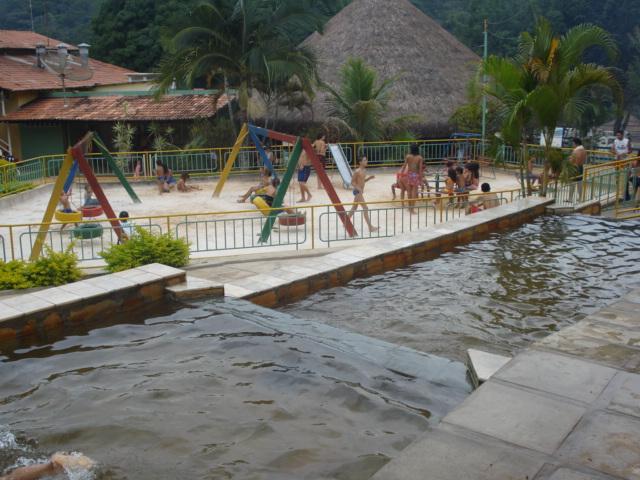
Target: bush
12	275
53	268
143	248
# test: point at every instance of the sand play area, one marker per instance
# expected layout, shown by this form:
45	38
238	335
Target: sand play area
224	225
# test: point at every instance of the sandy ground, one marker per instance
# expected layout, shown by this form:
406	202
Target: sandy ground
213	232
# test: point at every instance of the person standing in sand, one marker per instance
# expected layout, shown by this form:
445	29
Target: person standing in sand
358	181
320	147
414	168
304	171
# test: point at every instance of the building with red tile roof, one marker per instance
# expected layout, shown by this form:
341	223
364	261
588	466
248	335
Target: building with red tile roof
39	117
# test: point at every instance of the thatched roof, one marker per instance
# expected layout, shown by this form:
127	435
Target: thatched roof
396	38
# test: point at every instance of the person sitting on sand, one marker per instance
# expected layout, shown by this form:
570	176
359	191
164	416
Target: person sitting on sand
182	184
126	225
269	194
57	464
358	182
265	181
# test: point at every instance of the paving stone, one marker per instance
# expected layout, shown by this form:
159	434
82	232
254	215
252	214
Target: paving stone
195	287
236	291
616	317
566	474
608	443
263	282
162	270
84	289
626	398
558	374
484	365
8	313
444	456
111	283
612	333
28	303
139	277
573	340
58	296
516	416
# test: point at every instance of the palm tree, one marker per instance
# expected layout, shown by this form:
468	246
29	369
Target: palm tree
548	81
563	79
246	45
361	101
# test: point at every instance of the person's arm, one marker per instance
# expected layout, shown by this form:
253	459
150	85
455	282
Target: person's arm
629	148
34	472
369	178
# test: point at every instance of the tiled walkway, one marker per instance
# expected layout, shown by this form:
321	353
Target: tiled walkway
567	409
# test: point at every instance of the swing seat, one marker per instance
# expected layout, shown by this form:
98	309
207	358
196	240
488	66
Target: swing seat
292	219
90	211
87	231
68	217
262	205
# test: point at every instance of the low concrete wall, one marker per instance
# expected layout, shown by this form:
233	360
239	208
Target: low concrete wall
47	313
20	197
295	282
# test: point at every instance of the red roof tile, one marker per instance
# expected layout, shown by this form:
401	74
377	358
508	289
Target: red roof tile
20	39
120	107
19	73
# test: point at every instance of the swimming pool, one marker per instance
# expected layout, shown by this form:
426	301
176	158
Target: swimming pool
221	389
498	295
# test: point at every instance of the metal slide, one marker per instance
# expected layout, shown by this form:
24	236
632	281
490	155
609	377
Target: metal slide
343	165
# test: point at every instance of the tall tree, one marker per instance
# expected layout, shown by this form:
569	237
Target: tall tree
129	33
247	45
548	79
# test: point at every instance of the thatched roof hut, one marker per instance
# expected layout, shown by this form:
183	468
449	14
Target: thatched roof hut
397	39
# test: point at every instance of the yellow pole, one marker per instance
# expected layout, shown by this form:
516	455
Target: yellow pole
65	168
244	131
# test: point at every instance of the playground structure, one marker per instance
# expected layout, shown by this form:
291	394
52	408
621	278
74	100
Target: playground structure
301	144
74	161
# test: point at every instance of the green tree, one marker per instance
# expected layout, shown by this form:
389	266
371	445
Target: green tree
562	78
361	101
246	45
548	81
130	33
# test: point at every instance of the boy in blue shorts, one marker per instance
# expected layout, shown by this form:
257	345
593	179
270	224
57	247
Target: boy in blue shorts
304	170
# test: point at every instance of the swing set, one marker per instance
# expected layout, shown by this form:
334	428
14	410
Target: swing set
257	135
74	161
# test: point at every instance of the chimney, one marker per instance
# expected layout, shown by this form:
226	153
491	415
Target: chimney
84	54
41	51
63	52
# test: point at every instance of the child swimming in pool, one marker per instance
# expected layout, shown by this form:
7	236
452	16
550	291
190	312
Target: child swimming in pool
59	463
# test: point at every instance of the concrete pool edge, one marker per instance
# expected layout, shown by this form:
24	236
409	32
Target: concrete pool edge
47	312
562	409
294	282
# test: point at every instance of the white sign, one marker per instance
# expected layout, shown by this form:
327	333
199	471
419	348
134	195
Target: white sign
557	138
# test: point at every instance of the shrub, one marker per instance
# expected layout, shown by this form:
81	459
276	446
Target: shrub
143	248
12	275
53	268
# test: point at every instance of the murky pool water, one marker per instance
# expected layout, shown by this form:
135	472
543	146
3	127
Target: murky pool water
497	295
221	390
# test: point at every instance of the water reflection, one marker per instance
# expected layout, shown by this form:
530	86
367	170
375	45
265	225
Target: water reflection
219	390
498	295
